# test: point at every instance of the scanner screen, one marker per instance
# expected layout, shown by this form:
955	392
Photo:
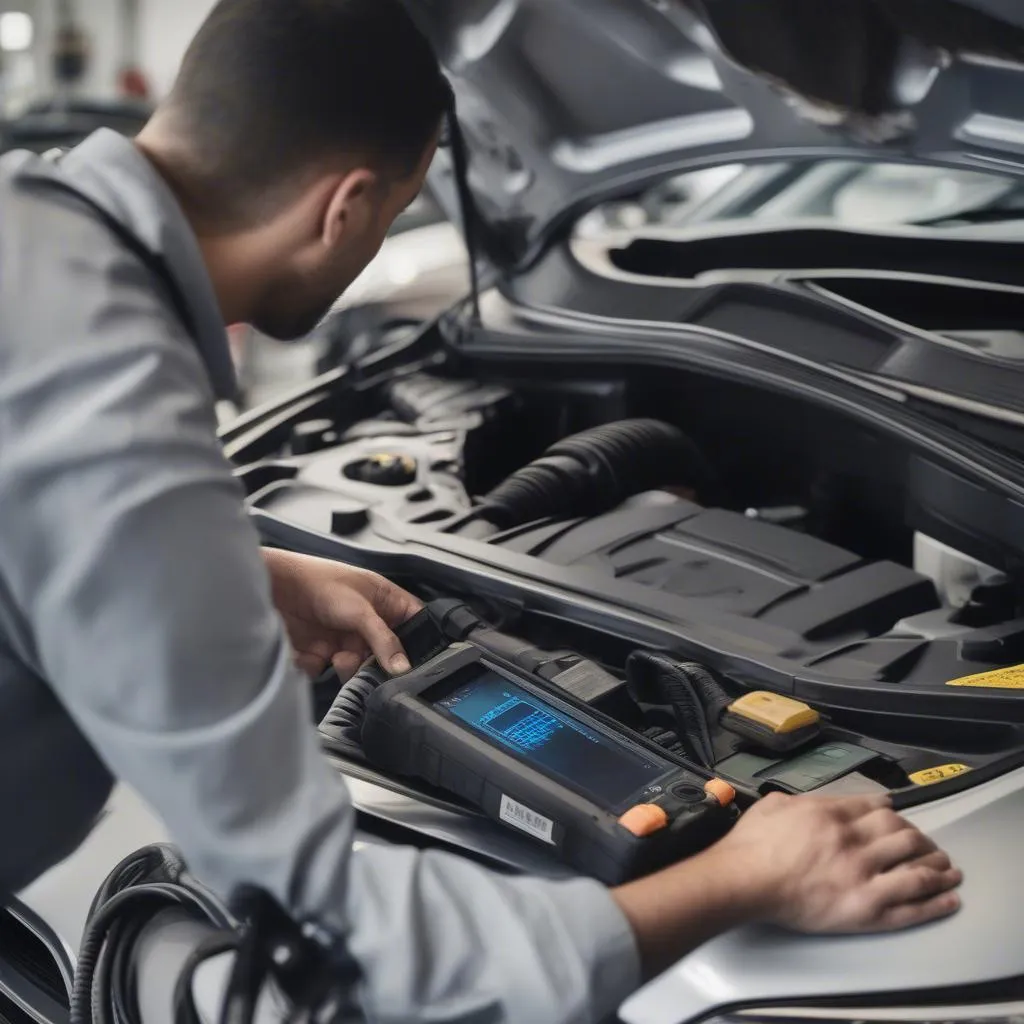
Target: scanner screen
555	743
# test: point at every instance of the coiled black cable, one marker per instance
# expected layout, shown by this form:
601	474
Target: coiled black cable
314	972
185	1011
148	881
595	471
309	968
160	862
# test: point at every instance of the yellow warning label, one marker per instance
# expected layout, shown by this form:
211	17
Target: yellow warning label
1000	679
944	771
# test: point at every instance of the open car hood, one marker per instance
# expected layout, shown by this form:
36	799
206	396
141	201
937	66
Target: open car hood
567	102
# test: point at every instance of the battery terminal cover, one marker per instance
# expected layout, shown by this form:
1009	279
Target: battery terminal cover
772	722
775	712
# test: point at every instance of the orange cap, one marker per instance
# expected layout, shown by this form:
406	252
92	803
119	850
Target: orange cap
721	791
644	819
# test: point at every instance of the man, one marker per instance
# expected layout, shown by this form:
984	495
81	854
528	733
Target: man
142	631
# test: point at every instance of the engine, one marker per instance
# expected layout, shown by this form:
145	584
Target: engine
604	538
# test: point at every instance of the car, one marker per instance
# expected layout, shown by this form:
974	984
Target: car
787	449
422	268
51	123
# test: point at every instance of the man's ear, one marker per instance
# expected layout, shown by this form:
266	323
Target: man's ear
350	208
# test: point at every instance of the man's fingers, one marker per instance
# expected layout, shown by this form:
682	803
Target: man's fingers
897	847
386	647
916	881
878	824
852	808
908	915
393	604
390	606
311	664
346	664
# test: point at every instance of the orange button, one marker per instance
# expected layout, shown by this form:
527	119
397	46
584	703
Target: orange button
644	819
721	791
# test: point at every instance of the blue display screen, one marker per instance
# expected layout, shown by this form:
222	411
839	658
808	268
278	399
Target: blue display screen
556	743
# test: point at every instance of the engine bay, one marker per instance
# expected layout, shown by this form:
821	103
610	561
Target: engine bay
782	547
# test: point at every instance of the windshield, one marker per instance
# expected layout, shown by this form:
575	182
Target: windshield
848	192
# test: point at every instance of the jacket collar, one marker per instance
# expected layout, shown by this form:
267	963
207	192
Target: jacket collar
110	170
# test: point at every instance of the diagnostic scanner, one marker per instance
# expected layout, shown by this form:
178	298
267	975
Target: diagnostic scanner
601	798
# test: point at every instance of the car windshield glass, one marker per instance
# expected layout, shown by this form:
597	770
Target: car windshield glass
848	192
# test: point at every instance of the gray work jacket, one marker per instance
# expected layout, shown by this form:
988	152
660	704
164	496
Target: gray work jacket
138	638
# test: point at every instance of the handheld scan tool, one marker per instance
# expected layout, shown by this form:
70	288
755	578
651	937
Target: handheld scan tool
604	800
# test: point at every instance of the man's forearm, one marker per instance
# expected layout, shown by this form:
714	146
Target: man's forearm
677	910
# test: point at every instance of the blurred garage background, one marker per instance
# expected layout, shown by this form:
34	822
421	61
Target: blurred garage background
68	67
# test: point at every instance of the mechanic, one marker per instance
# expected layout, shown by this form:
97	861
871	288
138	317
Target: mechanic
145	636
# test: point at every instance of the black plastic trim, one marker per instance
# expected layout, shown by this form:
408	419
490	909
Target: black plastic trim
473	566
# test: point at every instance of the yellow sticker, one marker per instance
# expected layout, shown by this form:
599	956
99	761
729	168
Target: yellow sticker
944	771
1000	679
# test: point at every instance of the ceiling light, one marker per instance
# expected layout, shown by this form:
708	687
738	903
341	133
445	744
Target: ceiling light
16	31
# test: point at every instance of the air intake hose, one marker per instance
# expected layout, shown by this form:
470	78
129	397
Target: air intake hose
595	471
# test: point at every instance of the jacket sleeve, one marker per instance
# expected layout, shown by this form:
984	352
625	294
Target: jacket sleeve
131	559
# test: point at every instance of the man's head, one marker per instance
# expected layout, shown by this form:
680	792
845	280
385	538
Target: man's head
296	132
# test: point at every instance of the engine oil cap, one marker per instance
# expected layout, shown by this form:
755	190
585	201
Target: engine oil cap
644	820
385	469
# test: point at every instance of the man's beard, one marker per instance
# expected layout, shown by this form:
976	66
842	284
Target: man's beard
285	318
289	327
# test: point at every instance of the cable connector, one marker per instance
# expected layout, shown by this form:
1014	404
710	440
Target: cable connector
306	963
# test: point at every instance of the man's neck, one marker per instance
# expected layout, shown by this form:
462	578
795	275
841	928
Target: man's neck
231	259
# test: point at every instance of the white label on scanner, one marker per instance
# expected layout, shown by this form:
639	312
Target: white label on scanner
521	817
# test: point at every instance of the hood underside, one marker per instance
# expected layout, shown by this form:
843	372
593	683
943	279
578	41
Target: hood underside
567	102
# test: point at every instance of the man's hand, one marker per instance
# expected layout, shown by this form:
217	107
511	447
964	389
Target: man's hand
842	865
811	864
338	615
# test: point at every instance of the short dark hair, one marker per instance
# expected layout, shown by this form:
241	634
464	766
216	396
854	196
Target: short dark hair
269	88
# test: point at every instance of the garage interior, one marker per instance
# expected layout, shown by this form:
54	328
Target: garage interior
682	414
